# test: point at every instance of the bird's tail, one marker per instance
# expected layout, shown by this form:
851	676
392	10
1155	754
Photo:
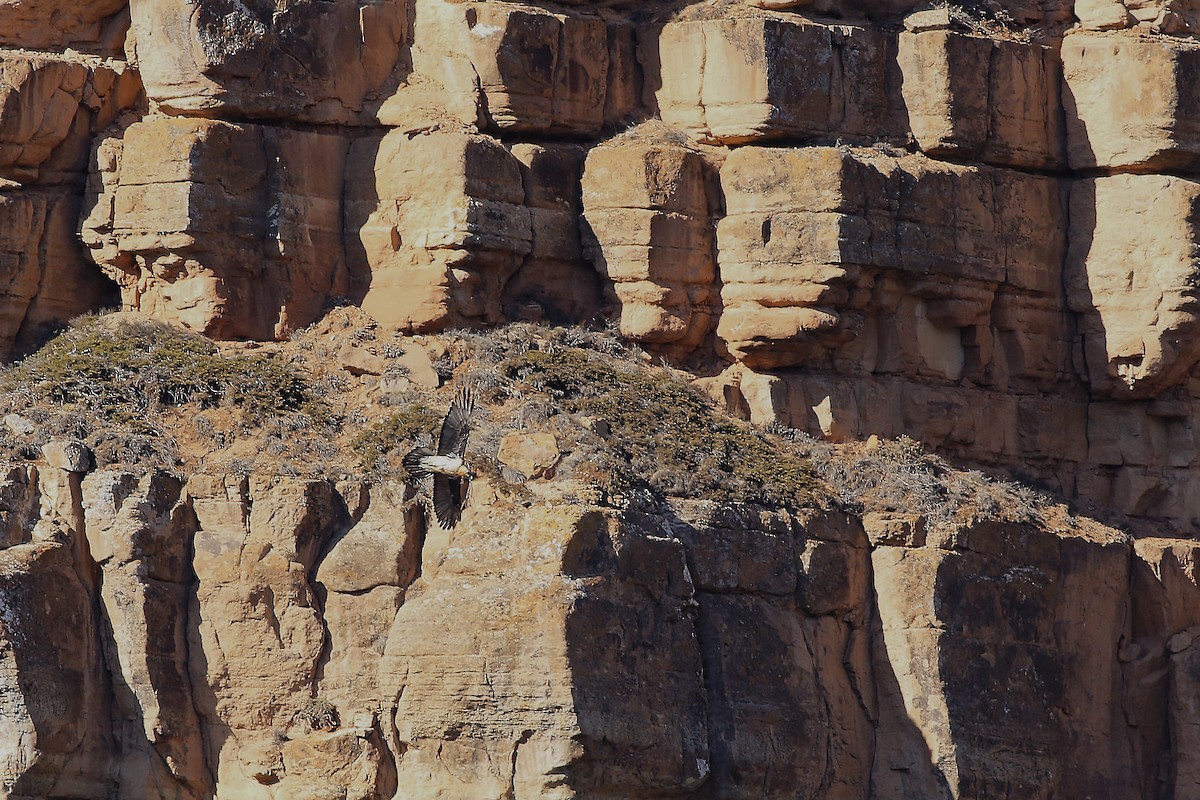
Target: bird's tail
412	462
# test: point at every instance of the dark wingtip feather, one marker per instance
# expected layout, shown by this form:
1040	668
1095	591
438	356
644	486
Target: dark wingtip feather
449	498
456	427
412	462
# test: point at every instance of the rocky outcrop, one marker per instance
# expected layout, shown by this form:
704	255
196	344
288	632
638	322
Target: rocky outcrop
278	637
978	231
951	258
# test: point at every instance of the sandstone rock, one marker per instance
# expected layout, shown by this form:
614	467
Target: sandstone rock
18	424
140	533
50	106
896	530
745	77
258	635
70	455
46	278
648	232
990	100
1131	285
435	225
554	283
326	63
228	230
534	455
516	68
823	245
381	549
1004	632
1136	113
358	759
91	26
1099	15
53	689
18	505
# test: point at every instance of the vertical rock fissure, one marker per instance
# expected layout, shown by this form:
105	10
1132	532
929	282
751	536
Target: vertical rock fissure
191	613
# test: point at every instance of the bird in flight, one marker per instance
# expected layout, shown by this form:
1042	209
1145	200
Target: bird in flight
451	475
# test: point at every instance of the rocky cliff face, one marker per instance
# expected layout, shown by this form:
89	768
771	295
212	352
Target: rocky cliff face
262	637
976	227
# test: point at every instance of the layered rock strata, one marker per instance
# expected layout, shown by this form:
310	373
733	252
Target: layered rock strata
984	228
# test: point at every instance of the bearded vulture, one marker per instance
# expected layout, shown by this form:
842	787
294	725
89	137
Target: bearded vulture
451	475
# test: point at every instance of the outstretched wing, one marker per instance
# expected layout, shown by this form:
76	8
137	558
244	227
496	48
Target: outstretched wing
449	497
457	424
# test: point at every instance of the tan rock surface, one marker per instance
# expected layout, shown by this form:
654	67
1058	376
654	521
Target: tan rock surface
820	246
322	63
561	650
648	232
436	226
89	25
1135	114
518	68
983	99
140	534
748	77
46	276
1132	285
1024	303
228	230
51	107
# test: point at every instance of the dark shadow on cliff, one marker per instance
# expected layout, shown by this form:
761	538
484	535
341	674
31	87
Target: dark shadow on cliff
1028	630
46	588
728	686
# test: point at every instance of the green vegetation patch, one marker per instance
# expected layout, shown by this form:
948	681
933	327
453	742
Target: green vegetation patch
120	372
666	434
381	445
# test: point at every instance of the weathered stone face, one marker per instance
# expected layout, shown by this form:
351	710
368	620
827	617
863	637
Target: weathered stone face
982	237
821	246
746	78
649	234
90	26
561	650
439	227
316	62
229	230
981	99
1137	115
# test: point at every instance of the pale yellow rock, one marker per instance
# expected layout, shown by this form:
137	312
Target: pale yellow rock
90	25
554	283
517	68
752	76
811	253
1136	113
229	230
140	533
331	63
435	227
534	455
1131	283
47	279
1099	15
924	642
254	652
648	233
70	455
995	101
